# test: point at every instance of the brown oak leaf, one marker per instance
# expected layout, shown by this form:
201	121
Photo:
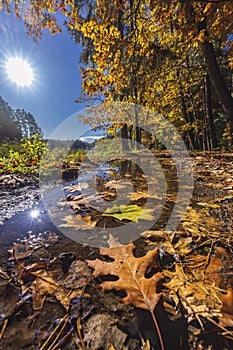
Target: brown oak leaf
141	291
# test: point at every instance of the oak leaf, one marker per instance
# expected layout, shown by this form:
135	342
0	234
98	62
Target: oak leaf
78	222
76	187
141	291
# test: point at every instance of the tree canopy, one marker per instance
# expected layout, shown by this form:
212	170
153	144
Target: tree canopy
173	56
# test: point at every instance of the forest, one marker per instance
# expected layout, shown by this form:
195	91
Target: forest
171	56
15	124
129	244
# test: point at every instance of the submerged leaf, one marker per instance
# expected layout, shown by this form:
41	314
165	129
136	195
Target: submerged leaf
21	250
129	212
76	187
116	184
78	222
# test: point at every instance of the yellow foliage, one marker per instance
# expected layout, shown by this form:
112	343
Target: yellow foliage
145	52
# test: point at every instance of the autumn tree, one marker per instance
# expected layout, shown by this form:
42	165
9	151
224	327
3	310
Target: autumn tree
203	23
162	54
156	59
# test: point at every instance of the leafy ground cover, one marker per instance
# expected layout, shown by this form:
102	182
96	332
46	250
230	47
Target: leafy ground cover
167	290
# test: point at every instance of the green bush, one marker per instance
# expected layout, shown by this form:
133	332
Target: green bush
23	156
26	156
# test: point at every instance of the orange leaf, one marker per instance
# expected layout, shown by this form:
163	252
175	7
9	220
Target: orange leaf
141	291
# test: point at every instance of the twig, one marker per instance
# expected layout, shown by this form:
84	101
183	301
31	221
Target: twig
54	331
221	327
63	339
4	275
3	327
34	273
208	259
193	312
59	333
78	324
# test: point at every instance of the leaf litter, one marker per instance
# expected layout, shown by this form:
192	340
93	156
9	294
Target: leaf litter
184	274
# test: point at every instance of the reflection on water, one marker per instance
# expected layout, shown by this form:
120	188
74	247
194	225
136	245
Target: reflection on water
80	205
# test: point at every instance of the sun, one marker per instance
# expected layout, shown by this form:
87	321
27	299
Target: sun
19	71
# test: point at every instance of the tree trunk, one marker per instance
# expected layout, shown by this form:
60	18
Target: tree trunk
218	80
137	128
124	138
213	137
186	117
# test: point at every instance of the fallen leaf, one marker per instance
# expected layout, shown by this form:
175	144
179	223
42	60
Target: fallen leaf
76	187
45	285
113	241
226	318
197	295
200	222
155	233
28	245
141	291
166	238
140	195
78	222
129	212
82	201
116	184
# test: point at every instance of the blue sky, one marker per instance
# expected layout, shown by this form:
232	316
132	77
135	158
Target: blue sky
57	83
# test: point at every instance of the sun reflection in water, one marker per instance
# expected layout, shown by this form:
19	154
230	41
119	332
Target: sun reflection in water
34	213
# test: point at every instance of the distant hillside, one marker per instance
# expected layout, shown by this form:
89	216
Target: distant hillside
70	144
16	123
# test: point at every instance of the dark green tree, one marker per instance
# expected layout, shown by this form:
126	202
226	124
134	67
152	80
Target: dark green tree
9	129
26	123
